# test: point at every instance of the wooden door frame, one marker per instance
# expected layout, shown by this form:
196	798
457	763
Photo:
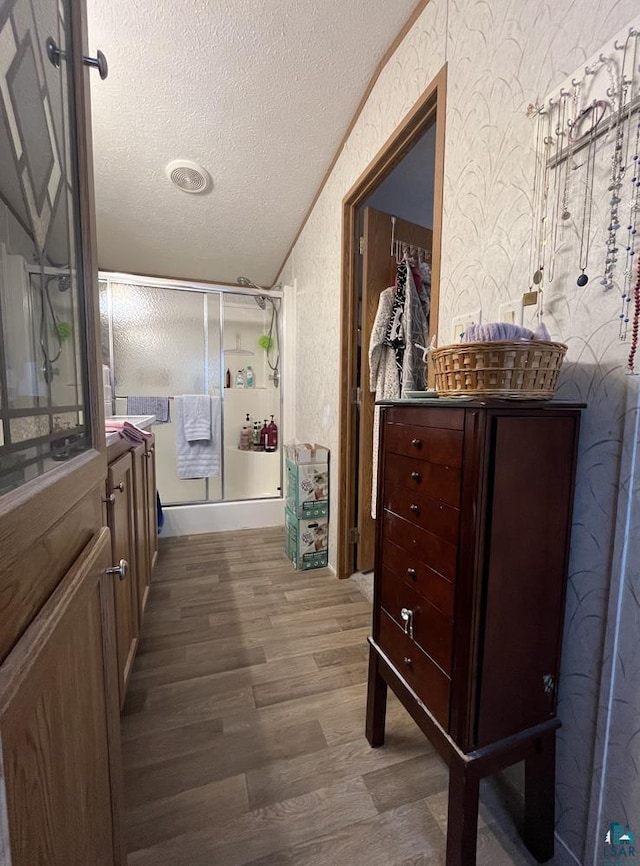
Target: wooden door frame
429	107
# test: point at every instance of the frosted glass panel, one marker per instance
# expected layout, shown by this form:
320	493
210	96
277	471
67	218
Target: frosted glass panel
158	341
159	351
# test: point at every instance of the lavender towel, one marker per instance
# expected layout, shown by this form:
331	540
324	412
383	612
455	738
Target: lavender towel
496	331
158	406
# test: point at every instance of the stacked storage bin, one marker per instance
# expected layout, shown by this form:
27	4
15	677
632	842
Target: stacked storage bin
307	505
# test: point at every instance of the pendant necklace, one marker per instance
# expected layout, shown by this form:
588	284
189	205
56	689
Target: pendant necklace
559	165
587	208
535	198
544	200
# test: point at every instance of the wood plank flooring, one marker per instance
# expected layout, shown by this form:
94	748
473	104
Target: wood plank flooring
243	729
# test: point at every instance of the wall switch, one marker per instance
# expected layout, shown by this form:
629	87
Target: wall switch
511	312
459	324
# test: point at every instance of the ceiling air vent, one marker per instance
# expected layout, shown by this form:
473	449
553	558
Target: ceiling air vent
188	176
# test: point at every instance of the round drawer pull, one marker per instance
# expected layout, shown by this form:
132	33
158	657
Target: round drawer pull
417	443
407	660
416	476
411	572
120	486
414	508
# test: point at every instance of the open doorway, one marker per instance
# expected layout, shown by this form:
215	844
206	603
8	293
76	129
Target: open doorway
404	181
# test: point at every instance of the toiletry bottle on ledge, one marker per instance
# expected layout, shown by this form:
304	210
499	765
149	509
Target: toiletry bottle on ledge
240	379
250	380
272	436
245	440
256	436
263	436
228	379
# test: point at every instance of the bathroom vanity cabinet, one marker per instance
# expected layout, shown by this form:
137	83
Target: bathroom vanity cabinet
472	546
130	505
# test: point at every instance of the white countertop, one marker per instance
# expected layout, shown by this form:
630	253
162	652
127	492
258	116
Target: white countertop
144	422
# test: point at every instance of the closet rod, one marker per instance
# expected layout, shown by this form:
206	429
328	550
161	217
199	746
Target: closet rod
603	127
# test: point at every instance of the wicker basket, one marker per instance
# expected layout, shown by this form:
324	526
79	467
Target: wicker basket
519	370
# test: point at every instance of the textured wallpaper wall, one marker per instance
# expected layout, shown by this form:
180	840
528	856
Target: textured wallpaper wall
502	56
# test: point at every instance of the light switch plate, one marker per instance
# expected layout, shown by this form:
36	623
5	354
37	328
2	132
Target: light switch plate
511	312
459	324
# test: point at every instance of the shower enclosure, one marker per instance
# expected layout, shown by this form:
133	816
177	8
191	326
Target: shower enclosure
163	338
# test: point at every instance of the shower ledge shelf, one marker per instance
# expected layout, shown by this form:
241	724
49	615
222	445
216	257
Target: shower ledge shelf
237	349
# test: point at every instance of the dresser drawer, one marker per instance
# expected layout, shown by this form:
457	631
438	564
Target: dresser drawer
426	416
428	513
431	585
428	548
435	480
425	443
430	628
425	678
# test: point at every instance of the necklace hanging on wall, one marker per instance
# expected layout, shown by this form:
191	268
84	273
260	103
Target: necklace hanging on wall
570	167
635	328
560	165
587	207
617	173
631	169
539	273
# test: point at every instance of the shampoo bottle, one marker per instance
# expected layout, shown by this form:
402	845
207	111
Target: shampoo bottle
263	436
250	380
272	436
240	379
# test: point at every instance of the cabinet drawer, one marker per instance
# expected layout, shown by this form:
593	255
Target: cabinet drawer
423	676
437	481
426	416
431	585
428	548
431	629
425	443
417	507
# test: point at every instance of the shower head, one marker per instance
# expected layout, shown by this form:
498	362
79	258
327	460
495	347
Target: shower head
249	284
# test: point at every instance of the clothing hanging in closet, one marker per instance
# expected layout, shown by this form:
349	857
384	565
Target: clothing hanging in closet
396	365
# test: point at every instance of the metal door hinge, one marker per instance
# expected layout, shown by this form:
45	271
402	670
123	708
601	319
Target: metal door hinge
356	396
354	535
363	245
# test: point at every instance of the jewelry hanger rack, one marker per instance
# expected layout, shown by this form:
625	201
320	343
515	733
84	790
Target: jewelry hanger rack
599	104
607	123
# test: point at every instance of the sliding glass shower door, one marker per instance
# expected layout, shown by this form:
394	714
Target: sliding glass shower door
166	341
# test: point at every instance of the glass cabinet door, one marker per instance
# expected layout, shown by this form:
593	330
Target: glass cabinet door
43	370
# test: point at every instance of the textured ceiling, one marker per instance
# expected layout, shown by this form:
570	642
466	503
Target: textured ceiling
259	92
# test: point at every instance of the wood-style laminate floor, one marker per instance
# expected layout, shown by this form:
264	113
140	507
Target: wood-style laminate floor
243	729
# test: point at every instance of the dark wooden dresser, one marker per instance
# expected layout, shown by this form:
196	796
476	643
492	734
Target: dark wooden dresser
474	521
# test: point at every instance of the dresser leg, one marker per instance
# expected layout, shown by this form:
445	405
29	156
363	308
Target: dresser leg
539	797
462	821
376	702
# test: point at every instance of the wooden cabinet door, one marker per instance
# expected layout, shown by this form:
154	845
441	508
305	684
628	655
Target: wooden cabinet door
141	525
121	522
151	504
59	729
